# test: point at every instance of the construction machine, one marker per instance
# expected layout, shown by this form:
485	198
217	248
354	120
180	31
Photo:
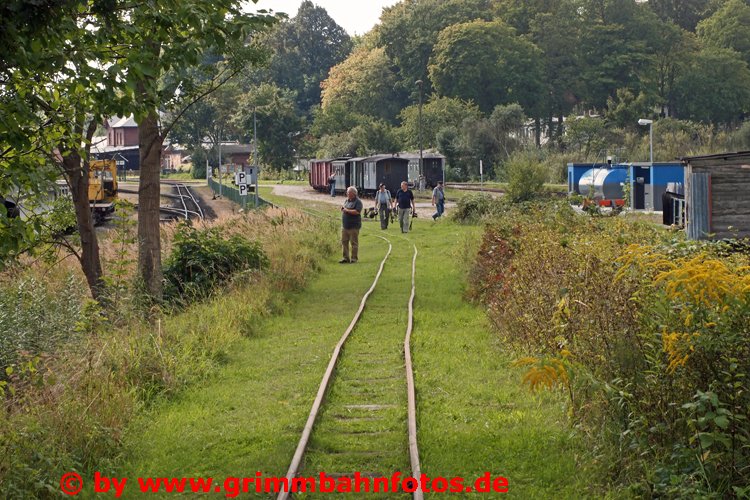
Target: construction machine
102	188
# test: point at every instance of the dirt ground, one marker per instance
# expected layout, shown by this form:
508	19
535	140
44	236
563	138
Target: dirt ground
223	207
308	193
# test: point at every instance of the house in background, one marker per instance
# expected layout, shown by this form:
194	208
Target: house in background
236	154
122	132
121	144
172	155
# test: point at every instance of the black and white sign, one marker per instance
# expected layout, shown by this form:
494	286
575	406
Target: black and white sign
243	189
240	178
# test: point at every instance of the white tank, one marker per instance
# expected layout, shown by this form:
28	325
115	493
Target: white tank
607	183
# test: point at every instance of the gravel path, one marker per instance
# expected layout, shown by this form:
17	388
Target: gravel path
308	193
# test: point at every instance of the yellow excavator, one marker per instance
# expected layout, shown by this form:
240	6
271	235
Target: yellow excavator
102	188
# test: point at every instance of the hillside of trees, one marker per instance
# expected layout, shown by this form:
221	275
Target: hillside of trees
490	68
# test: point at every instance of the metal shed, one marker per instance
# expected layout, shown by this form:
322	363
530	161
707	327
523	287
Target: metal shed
649	182
717	195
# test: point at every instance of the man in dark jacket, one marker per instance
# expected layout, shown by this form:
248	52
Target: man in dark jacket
406	207
351	223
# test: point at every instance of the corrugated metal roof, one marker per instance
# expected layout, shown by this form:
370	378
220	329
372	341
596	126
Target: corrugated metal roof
717	156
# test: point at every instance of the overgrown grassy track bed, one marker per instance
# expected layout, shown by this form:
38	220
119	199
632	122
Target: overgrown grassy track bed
362	427
240	411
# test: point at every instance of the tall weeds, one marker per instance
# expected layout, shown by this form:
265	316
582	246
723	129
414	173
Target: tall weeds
647	335
66	406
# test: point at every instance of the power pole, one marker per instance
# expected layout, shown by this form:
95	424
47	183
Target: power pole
419	83
255	155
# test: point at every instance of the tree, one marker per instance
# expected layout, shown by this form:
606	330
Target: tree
671	56
492	140
615	48
715	87
557	35
626	108
58	82
437	113
409	30
305	49
587	136
368	137
486	62
728	28
364	84
165	40
333	119
684	13
278	123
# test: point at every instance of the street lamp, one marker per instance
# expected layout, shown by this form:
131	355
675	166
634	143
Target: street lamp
418	83
650	123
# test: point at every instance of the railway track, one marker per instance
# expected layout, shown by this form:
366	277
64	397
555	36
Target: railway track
465	186
187	207
363	418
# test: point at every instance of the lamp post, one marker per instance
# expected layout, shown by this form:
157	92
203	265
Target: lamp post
650	123
419	83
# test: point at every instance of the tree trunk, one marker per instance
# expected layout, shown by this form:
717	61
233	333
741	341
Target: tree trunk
538	131
149	237
78	180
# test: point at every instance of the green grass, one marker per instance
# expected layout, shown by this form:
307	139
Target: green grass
473	414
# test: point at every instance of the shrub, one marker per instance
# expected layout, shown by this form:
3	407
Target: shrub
202	259
472	207
526	177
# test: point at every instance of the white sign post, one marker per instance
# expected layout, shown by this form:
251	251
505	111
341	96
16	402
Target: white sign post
243	179
481	175
240	178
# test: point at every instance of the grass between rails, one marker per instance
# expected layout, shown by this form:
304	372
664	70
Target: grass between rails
473	414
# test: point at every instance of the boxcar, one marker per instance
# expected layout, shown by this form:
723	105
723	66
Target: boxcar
366	173
432	165
320	170
387	169
342	175
355	169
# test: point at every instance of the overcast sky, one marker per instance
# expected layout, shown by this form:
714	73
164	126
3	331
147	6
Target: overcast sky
355	16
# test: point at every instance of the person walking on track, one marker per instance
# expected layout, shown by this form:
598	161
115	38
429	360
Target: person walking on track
351	223
438	200
406	207
383	202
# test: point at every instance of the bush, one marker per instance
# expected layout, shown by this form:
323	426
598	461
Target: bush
198	167
526	177
473	207
201	260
